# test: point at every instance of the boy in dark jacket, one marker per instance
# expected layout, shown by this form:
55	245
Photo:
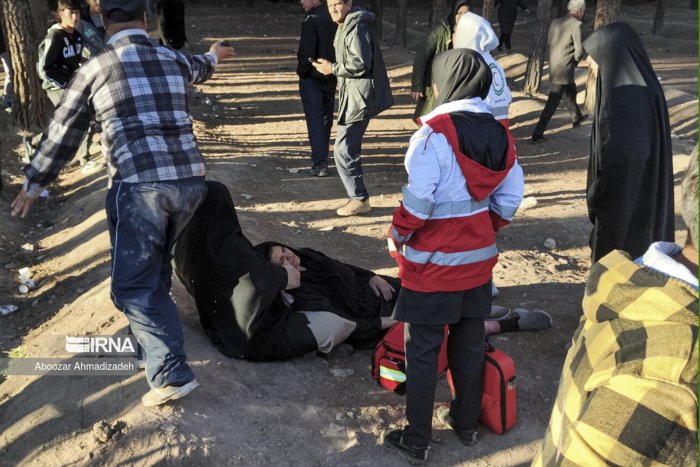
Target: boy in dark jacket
60	55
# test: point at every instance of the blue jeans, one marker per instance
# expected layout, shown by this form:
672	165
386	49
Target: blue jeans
144	221
348	146
317	98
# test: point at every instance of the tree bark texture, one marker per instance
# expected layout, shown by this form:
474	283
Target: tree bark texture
21	19
487	11
658	24
375	7
606	12
401	22
538	48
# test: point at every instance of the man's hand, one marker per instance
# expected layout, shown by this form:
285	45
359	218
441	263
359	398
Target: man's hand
380	287
22	204
293	276
323	66
415	95
222	50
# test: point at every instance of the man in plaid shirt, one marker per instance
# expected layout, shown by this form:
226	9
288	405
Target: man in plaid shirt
137	92
628	390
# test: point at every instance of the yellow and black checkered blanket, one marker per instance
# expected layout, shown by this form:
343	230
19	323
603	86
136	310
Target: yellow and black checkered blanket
628	390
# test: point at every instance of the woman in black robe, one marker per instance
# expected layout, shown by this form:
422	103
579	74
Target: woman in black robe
507	13
351	292
630	173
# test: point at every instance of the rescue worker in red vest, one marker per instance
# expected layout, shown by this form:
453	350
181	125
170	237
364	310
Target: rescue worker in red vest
464	183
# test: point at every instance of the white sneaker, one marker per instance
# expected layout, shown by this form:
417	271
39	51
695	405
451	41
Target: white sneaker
158	396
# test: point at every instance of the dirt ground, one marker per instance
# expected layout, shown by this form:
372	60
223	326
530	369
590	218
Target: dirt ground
250	126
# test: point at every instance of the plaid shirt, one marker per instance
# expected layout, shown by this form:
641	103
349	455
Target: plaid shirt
137	92
628	390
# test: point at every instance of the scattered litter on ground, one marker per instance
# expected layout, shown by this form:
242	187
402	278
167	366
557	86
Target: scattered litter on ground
28	248
8	309
167	427
550	244
246	196
528	203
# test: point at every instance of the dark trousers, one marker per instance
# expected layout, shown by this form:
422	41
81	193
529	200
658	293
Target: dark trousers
144	221
347	150
295	340
555	93
465	353
317	98
504	40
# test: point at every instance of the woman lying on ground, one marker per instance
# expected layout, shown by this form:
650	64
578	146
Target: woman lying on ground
243	301
366	298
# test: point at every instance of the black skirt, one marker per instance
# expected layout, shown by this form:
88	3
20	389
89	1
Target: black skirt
442	307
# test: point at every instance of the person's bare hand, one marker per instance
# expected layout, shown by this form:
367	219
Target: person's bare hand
415	95
380	287
293	276
222	50
323	66
22	204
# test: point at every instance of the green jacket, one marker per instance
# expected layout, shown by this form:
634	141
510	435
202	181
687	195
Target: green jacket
363	84
438	41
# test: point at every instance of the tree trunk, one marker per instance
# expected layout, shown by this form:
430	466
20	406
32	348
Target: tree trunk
606	12
487	11
375	7
535	61
401	22
658	24
29	107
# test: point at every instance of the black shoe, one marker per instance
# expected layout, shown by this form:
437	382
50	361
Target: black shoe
413	454
317	170
467	437
579	120
536	137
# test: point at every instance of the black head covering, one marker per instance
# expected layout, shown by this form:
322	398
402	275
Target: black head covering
460	74
453	12
630	173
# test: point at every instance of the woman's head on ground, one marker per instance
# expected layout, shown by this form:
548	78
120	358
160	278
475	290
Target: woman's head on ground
277	253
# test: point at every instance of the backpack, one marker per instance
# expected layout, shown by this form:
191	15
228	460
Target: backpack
389	360
498	400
